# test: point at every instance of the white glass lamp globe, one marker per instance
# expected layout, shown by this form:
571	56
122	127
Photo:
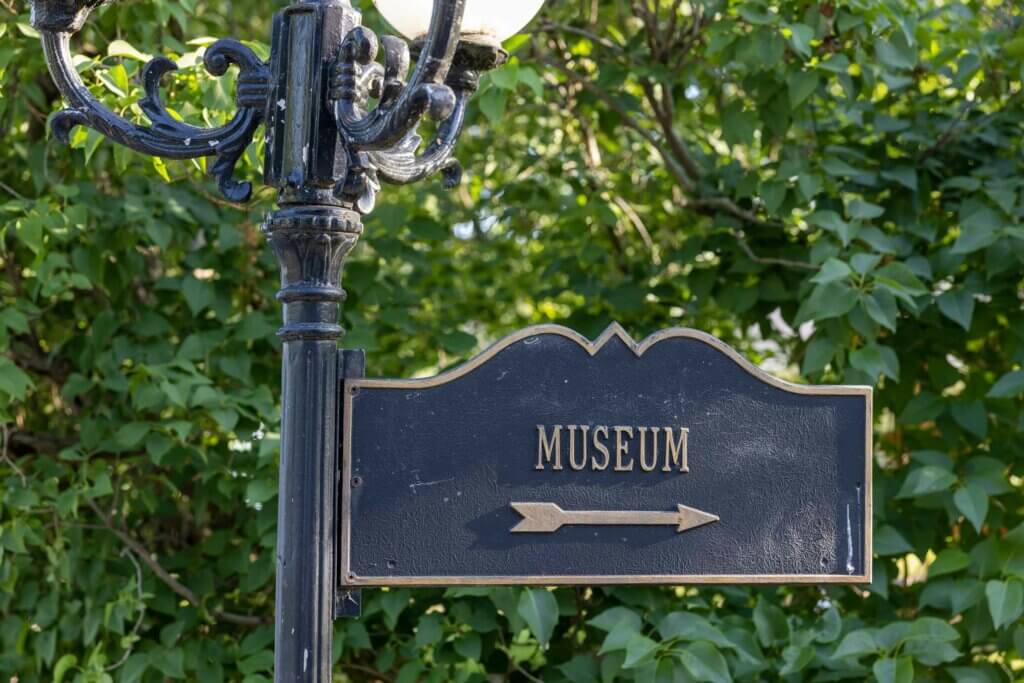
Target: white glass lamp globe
490	19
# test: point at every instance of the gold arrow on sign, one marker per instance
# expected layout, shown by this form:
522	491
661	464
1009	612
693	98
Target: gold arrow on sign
545	518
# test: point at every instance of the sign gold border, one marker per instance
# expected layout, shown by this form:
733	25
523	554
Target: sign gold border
615	331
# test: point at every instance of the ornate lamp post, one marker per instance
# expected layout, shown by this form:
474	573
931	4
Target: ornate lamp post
327	153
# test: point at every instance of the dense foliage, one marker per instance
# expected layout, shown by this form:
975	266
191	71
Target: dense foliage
835	188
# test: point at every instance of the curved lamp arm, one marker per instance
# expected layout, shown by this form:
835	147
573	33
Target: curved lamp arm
401	107
403	165
58	20
384	143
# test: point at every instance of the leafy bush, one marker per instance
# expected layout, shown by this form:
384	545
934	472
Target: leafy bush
833	188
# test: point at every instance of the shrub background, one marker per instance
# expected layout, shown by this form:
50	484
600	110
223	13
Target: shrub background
833	188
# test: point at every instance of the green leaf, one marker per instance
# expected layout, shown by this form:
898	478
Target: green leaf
801	37
773	194
949	561
837	63
888	542
926	480
958	306
833	222
1005	601
931	630
539	610
881	307
638	650
469	646
122	48
458	342
157	446
134	667
14	320
392	604
1010	385
411	672
690	626
979	228
199	294
801	85
429	630
262	661
827	301
259	491
924	407
856	644
819	354
665	670
809	185
705	663
876	360
581	669
796	659
62	666
905	176
610	618
896	52
506	77
864	263
13	381
756	14
170	662
861	210
618	638
894	670
972	416
973	503
532	80
978	674
492	103
900	280
830	628
831	271
771	623
130	435
738	126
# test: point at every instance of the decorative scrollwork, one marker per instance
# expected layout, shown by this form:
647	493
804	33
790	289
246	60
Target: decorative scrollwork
343	161
167	137
402	106
385	141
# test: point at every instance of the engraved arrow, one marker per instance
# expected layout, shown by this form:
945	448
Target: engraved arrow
545	518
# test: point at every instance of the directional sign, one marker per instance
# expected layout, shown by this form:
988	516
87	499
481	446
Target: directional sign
548	517
552	459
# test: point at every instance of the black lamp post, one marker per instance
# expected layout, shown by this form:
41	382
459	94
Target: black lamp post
327	154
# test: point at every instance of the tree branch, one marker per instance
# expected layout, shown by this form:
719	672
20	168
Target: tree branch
677	171
176	586
555	27
709	205
142	613
32	444
5	434
664	113
679	161
770	261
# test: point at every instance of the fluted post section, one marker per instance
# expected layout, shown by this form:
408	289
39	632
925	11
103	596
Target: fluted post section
311	243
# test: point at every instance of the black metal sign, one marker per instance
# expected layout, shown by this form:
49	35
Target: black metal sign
551	459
